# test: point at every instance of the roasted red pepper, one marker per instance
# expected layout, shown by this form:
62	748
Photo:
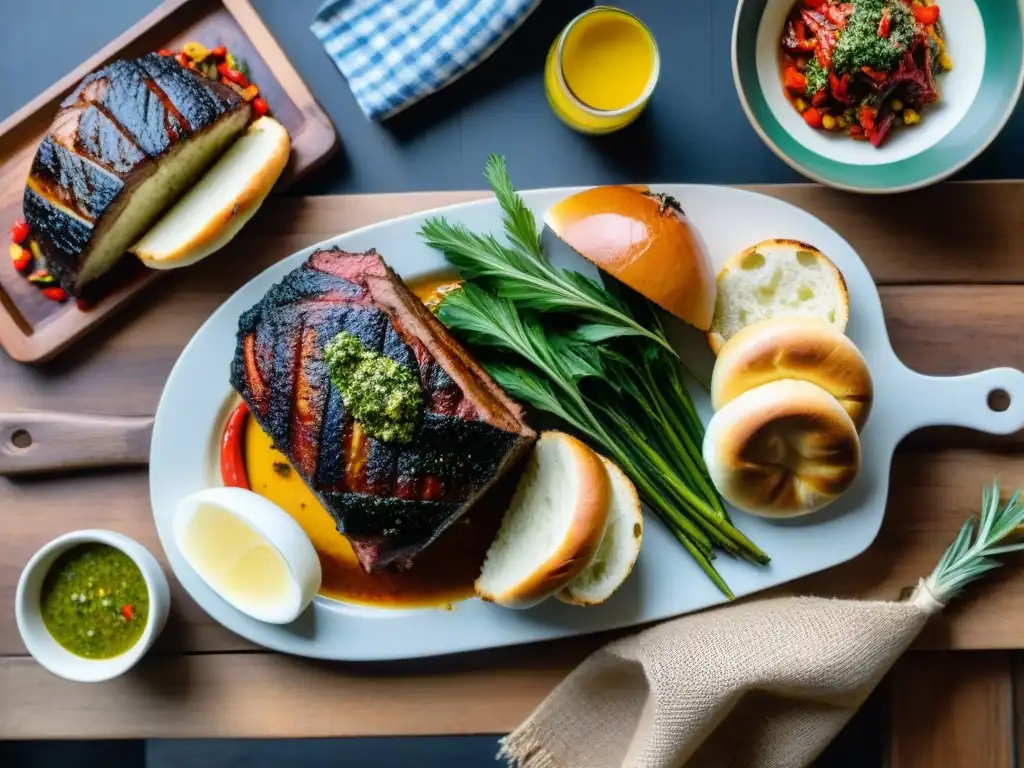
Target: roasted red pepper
232	449
259	106
55	294
840	87
793	79
813	117
885	25
926	15
874	74
800	33
233	75
218	51
820	99
867	118
128	612
19	230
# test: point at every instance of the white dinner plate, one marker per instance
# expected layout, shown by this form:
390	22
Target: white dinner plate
666	582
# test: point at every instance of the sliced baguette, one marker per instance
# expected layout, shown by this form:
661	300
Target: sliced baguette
553	526
619	547
777	278
221	201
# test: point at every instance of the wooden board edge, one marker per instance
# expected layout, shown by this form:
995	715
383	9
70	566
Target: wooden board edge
308	157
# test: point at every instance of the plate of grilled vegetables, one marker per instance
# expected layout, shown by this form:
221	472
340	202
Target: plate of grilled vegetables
534	416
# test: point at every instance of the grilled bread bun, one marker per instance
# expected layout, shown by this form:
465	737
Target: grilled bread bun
794	348
553	527
783	449
619	547
213	211
644	240
777	278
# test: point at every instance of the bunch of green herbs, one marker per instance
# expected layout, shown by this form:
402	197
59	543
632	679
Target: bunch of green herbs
596	357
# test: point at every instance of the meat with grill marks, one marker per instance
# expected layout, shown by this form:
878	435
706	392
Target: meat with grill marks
390	499
125	144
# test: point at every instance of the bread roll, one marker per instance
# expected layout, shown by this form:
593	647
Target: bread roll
783	449
553	527
644	240
619	548
777	278
794	348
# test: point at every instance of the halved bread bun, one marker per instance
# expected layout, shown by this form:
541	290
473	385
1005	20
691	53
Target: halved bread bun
644	240
221	201
553	527
801	348
777	278
783	449
619	547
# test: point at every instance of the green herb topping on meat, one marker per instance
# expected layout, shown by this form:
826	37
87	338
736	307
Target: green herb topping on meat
817	76
383	396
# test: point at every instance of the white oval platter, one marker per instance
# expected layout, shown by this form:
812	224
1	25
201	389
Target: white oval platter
666	582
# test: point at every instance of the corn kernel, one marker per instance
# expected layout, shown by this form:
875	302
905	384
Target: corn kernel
945	61
842	122
910	117
897	105
801	105
828	122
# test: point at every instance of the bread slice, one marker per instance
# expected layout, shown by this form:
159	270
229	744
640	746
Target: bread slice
777	278
221	202
619	547
553	527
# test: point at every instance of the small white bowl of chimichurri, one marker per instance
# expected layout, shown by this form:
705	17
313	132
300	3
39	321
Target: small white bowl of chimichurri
90	604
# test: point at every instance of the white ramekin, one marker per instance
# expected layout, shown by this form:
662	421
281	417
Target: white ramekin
47	651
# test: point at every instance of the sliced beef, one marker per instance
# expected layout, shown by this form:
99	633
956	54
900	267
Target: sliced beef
390	499
125	144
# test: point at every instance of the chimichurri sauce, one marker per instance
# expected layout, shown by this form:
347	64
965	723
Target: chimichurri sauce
94	601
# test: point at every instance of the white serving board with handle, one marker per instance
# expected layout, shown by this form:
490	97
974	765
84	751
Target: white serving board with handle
666	581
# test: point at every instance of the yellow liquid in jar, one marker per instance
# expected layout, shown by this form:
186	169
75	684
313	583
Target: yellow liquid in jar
236	560
599	70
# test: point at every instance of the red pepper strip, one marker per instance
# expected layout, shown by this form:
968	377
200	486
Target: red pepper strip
19	231
54	294
874	74
820	99
218	52
232	449
794	80
815	3
926	14
813	117
259	106
885	24
867	118
800	33
839	87
233	75
128	612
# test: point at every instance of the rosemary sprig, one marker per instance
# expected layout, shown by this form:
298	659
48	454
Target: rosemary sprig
973	552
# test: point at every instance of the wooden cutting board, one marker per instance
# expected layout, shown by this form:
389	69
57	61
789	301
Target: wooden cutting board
33	328
952	287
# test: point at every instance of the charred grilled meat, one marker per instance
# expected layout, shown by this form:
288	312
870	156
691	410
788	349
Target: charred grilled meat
125	144
391	499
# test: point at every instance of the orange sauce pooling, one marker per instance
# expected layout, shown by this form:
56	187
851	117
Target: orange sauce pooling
442	574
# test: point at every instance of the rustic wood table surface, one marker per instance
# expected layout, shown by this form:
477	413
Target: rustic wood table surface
951	274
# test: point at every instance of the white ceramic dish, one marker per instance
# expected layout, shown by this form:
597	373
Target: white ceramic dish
51	654
986	42
665	582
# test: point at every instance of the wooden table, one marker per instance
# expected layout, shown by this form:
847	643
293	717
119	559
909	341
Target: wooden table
950	267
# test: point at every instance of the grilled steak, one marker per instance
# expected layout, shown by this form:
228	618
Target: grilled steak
125	144
390	499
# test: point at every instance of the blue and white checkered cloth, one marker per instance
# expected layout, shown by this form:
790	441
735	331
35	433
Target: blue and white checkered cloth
395	52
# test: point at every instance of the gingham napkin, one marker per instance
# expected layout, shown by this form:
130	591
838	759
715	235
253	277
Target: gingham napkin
395	52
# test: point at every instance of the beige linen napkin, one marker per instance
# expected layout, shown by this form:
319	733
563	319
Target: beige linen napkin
765	684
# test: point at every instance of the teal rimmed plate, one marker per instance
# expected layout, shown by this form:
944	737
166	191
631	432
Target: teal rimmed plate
985	38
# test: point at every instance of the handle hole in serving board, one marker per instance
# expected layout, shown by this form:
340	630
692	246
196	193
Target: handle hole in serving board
999	400
21	439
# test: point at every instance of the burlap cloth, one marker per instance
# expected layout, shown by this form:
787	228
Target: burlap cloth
761	685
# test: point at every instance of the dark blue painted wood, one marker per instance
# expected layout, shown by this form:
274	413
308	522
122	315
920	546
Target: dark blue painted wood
694	130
